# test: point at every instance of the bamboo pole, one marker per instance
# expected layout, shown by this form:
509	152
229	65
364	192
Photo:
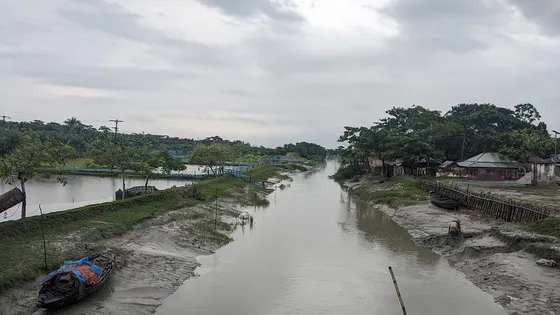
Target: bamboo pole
43	236
397	289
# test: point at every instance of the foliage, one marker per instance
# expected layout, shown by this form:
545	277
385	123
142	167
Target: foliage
213	156
399	192
22	161
264	172
419	134
346	172
305	150
550	226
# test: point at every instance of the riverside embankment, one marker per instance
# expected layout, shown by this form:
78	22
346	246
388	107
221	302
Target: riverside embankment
157	238
494	255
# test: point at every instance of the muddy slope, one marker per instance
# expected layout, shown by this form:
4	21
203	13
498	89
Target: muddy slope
155	258
491	255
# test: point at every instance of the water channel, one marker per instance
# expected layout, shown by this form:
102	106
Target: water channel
317	250
80	191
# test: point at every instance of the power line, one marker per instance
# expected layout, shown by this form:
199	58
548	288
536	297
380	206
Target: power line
116	121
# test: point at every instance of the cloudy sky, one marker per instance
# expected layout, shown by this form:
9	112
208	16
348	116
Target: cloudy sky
271	72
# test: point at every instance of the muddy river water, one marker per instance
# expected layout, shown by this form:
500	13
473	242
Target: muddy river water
80	191
317	250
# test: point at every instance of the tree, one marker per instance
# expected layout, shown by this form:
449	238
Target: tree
522	144
151	162
121	155
214	156
25	159
527	113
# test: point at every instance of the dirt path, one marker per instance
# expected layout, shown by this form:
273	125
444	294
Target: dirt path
155	258
512	277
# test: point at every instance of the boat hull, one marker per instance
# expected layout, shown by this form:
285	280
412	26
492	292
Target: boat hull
50	300
444	202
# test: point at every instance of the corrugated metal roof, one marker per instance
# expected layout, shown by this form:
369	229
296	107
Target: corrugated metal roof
446	164
490	160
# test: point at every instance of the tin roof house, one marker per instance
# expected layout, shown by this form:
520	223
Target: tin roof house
492	166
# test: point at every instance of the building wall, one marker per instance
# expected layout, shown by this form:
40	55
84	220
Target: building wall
543	173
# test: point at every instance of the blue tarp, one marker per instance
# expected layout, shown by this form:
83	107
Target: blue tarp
68	267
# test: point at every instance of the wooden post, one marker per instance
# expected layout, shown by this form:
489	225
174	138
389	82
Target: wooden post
43	236
397	289
216	217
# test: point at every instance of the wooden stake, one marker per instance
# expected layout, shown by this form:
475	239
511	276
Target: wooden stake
397	289
216	217
43	236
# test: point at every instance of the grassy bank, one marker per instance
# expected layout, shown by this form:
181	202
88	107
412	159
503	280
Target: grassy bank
397	192
264	172
550	226
76	233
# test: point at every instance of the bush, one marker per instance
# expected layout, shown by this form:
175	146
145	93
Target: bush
550	226
347	172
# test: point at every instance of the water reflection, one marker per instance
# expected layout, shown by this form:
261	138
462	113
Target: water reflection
80	191
379	228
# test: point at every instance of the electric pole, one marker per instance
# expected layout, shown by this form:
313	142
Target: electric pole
116	121
463	146
4	117
555	142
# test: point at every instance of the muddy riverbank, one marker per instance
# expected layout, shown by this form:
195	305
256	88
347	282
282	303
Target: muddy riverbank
493	255
155	257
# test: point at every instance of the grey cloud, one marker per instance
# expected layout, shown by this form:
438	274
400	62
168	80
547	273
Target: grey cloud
113	19
545	13
274	9
442	24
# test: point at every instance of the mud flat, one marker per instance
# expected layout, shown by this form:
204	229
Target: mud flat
155	256
493	255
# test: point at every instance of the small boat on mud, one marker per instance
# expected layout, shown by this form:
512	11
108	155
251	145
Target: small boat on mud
443	202
75	280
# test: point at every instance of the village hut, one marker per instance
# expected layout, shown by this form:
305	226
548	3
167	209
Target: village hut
545	172
492	166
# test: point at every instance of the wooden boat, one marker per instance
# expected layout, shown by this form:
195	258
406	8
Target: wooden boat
65	288
443	202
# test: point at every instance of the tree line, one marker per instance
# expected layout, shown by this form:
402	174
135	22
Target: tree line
27	148
417	133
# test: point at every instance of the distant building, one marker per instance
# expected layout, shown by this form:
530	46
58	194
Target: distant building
375	165
448	168
178	154
491	166
392	168
544	172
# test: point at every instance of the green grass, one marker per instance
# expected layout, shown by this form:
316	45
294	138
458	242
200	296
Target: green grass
222	186
256	198
550	226
264	172
74	233
81	162
399	192
69	234
295	167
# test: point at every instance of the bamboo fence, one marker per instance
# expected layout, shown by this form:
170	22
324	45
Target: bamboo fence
496	206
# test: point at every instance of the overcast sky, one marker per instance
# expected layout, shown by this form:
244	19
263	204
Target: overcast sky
271	72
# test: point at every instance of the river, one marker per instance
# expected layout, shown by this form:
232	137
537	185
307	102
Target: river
80	191
317	250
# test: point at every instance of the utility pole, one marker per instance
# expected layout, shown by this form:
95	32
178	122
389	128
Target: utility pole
555	142
463	147
116	121
4	117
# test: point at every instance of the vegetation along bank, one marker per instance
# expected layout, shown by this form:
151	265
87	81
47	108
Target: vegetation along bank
165	229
